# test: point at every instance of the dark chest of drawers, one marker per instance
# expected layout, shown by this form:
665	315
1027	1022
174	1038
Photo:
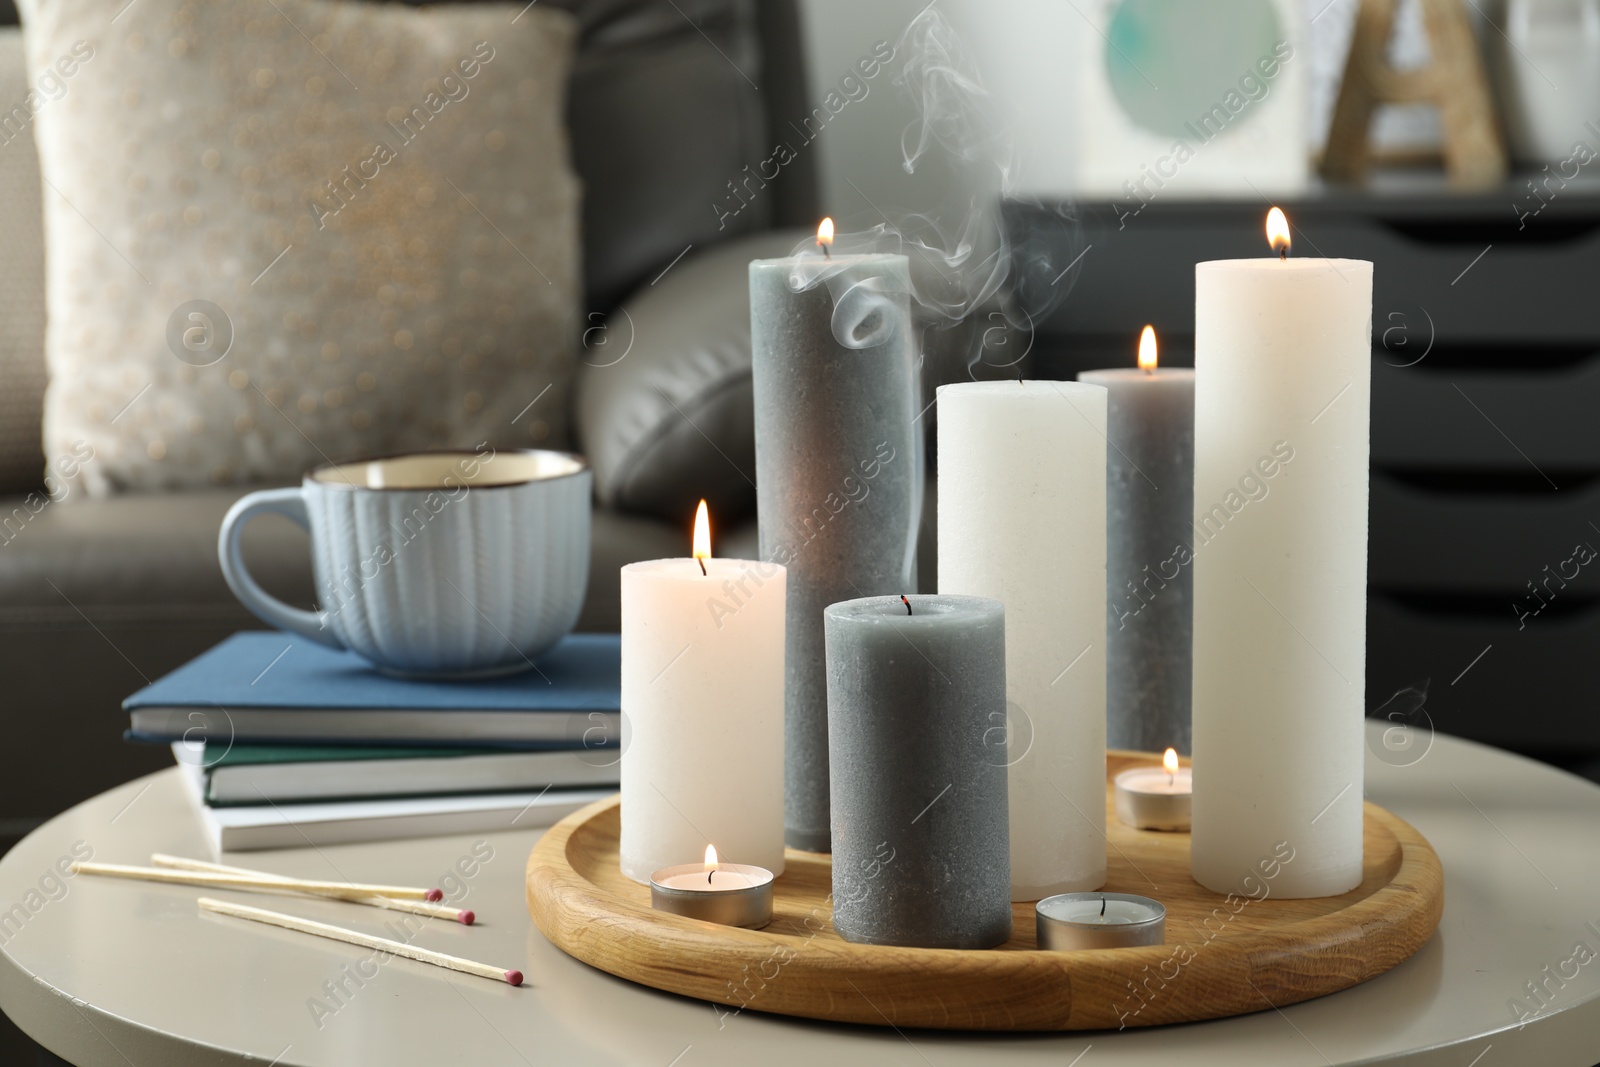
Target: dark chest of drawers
1484	580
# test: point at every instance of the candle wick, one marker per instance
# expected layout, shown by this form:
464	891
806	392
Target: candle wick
826	254
906	602
702	563
1102	907
1283	253
709	874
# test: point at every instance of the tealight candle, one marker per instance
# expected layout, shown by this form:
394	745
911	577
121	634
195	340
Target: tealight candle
1155	798
1068	922
732	894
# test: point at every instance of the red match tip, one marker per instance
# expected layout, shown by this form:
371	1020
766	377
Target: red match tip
514	977
433	895
466	918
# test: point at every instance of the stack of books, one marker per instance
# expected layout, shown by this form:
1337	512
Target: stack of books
284	743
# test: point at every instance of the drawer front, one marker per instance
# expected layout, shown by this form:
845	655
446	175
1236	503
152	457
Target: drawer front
1532	690
1483	545
1476	282
1512	420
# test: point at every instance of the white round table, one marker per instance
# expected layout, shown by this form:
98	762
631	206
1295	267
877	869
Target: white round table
110	973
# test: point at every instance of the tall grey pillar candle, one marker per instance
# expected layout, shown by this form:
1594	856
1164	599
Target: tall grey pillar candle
1149	550
838	473
916	731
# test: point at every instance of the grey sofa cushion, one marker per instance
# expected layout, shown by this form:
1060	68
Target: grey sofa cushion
22	373
663	407
151	560
664	112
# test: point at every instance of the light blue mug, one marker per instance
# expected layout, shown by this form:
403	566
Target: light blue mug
437	564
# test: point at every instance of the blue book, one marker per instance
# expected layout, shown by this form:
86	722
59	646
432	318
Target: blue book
276	688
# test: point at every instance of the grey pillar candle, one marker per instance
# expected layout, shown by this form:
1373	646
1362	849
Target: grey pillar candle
838	481
916	716
1149	547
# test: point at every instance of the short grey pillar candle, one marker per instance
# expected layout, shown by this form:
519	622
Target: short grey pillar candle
838	473
916	732
1149	548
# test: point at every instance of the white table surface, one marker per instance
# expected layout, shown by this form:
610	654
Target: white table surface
118	973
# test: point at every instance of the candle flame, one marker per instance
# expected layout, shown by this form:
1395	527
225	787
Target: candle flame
1169	760
711	857
1278	231
1147	349
702	534
825	232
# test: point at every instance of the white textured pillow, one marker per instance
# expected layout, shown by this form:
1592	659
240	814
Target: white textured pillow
378	199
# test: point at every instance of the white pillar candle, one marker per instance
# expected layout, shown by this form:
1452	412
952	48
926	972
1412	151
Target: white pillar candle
702	713
1282	368
1022	519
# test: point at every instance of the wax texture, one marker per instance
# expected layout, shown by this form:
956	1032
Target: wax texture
702	714
920	851
838	475
1283	358
1149	551
1022	519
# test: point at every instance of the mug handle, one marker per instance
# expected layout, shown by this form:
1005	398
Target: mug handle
291	504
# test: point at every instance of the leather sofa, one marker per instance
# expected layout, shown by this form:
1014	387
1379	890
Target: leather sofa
99	596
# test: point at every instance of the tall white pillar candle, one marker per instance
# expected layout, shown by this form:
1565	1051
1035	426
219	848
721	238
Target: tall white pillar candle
702	713
1282	372
1022	519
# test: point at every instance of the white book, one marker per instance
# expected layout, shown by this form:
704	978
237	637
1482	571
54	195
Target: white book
246	829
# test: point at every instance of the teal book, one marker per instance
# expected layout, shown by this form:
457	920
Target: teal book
291	774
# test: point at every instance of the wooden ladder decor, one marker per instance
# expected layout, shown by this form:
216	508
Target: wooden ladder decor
1453	81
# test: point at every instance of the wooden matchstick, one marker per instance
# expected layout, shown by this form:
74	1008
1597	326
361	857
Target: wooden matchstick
382	944
340	890
464	916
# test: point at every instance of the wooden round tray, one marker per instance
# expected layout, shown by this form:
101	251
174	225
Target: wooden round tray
1220	958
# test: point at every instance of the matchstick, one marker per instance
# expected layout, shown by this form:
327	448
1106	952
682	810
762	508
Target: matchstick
464	916
340	890
382	944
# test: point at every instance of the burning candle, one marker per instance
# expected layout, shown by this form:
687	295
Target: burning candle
732	894
838	469
1070	922
1149	547
1283	361
1150	798
702	709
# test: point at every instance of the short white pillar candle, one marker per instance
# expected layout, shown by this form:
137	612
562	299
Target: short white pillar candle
702	713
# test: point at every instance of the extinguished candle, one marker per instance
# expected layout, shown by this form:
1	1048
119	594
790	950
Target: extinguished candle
916	684
1283	357
1022	492
838	470
1072	922
1149	581
702	710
